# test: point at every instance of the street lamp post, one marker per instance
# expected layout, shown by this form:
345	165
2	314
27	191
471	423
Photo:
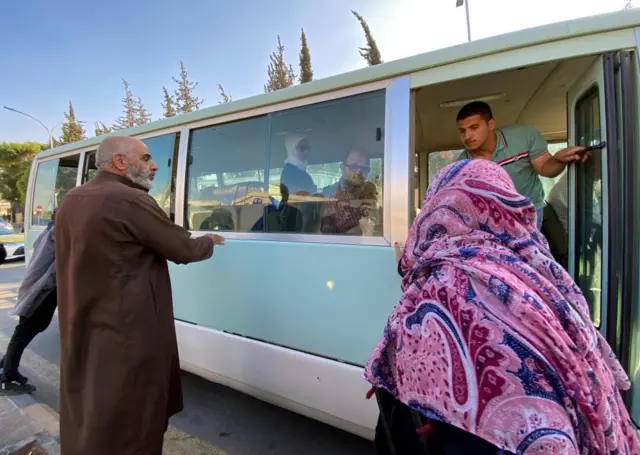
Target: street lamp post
466	8
49	131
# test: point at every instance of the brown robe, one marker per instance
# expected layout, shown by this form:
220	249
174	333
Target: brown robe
119	366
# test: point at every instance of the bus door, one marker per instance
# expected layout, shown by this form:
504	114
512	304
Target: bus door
603	207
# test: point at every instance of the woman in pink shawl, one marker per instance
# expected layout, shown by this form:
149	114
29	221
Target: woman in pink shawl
492	339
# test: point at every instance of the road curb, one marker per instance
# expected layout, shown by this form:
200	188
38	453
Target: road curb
45	418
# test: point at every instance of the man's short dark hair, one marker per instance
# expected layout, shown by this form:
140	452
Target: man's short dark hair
475	108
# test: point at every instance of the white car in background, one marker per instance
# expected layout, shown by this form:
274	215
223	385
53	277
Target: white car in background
13	242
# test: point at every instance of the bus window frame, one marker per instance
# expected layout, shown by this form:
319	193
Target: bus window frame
32	182
396	165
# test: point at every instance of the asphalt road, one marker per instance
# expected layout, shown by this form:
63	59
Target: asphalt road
216	419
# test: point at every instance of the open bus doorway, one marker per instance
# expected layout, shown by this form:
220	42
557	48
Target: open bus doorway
587	101
542	96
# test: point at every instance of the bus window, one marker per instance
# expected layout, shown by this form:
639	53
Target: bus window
440	160
326	160
54	178
226	178
588	259
164	152
90	168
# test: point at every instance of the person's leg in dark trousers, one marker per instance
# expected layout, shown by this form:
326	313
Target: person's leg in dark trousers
24	333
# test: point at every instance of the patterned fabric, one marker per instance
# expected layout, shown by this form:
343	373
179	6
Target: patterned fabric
491	334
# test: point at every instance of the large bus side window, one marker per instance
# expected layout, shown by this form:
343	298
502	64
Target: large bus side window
226	176
588	225
326	162
54	178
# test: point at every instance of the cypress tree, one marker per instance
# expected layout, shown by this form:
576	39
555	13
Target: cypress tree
306	73
226	98
169	104
72	130
280	75
186	101
370	52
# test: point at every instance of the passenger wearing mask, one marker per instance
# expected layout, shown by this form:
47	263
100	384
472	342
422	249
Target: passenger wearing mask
491	345
119	364
520	149
294	174
37	302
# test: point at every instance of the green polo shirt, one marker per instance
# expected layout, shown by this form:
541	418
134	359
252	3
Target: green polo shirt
517	145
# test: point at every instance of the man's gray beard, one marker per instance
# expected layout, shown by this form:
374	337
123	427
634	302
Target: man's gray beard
140	177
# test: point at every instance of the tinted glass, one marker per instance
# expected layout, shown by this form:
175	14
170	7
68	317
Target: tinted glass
226	187
588	264
326	168
54	179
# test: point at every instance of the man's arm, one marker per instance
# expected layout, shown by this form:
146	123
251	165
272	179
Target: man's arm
151	227
546	164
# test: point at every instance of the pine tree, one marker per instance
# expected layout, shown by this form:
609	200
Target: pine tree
142	115
226	98
130	111
280	75
186	101
628	4
370	52
306	73
169	104
72	130
101	129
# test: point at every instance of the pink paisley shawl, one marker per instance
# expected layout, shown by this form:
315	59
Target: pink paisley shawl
491	334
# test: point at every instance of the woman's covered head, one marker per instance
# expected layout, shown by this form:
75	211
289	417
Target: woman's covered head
477	194
472	201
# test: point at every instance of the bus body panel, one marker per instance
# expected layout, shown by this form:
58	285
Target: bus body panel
329	300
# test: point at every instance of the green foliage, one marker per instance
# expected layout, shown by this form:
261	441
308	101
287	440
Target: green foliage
306	73
226	98
142	115
169	104
129	114
72	130
101	129
15	163
186	101
133	111
280	75
370	52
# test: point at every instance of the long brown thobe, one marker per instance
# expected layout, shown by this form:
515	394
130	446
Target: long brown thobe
119	366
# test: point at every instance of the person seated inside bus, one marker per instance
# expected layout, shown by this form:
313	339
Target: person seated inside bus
491	346
280	216
352	198
220	219
520	149
294	173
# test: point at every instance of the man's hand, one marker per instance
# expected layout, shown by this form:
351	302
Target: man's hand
217	239
548	165
396	247
571	155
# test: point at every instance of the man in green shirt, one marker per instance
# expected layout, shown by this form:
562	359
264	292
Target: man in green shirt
519	149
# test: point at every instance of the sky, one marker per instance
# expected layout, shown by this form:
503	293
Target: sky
53	52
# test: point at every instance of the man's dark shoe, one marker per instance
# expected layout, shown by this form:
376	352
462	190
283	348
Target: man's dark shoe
12	387
18	377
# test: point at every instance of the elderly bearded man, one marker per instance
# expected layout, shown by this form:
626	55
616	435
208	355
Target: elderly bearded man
119	366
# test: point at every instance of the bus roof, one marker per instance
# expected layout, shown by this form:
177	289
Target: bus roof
523	38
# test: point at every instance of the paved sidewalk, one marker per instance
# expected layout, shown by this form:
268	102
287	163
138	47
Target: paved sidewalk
24	421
